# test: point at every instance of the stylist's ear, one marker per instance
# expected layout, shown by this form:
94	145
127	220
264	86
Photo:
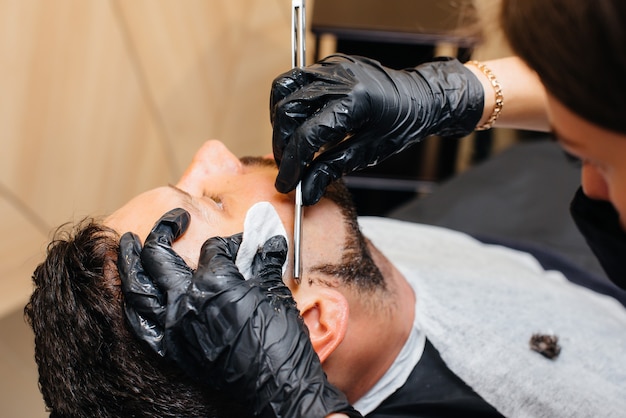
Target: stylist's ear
325	312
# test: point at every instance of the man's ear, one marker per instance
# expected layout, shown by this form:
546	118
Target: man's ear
325	312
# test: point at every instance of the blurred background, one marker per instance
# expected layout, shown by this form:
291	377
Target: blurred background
103	99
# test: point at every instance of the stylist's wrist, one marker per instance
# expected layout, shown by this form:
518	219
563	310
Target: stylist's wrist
489	98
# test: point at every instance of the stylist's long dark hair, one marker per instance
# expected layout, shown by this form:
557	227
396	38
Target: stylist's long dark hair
578	49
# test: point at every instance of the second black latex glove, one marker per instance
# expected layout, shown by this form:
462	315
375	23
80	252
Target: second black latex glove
244	337
356	113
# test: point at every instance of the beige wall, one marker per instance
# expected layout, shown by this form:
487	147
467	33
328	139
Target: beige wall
102	99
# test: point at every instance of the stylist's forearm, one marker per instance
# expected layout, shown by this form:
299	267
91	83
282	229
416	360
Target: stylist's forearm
524	95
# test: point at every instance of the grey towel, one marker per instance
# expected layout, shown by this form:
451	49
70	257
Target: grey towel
480	305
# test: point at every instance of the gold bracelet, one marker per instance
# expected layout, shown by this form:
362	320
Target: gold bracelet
497	108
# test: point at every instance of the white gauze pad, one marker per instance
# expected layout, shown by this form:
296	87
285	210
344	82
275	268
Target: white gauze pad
261	223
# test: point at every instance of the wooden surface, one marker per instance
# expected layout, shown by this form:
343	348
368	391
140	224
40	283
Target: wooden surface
410	21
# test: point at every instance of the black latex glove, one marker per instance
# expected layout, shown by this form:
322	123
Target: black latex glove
379	110
243	337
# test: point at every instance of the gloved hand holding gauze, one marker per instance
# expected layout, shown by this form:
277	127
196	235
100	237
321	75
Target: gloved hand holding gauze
224	330
261	223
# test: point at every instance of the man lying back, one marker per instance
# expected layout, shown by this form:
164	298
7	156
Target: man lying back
418	321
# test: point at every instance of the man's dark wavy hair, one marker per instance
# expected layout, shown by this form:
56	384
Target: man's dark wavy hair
90	365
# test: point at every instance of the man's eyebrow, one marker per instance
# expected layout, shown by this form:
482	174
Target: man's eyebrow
183	194
250	161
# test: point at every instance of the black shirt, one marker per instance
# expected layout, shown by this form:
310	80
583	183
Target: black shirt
432	390
598	221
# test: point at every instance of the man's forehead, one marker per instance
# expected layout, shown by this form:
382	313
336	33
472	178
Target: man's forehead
140	213
135	213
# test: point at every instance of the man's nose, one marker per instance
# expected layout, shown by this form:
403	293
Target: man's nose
213	158
593	182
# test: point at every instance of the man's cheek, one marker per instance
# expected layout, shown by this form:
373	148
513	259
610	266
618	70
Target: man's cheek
188	249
